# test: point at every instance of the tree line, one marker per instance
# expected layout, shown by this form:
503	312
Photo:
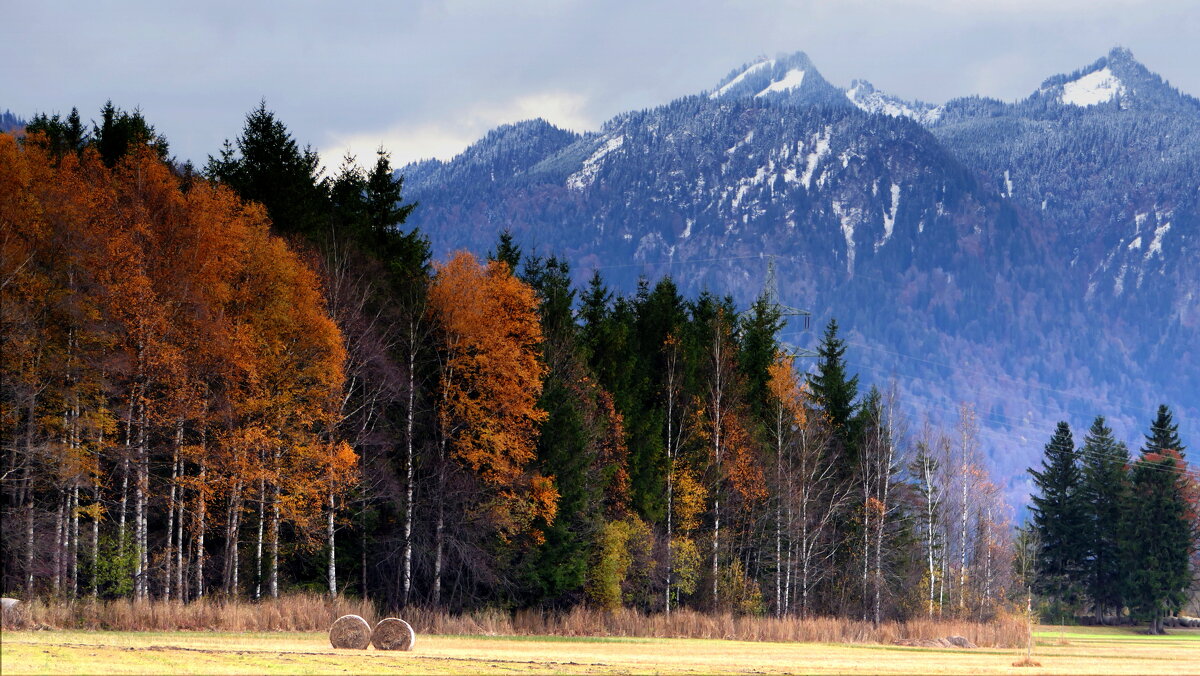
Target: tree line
251	378
1110	533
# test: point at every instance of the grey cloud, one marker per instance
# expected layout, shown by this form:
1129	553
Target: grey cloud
377	69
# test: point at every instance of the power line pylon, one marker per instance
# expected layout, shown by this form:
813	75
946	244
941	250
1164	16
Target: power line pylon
771	293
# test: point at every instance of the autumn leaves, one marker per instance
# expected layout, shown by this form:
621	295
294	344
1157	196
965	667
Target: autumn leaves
172	371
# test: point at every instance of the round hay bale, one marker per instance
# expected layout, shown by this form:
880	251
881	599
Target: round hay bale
350	631
393	633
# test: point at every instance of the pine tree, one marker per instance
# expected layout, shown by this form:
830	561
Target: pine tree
1164	434
1058	516
1105	494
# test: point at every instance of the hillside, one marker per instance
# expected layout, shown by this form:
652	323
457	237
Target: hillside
1030	258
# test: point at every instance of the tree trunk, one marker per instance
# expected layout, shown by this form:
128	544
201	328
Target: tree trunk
886	479
168	585
333	588
201	512
232	535
438	544
59	527
141	492
29	510
74	551
95	544
180	592
273	575
779	511
258	548
406	583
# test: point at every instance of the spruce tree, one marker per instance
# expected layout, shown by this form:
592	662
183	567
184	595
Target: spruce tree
1158	539
383	197
1105	494
1164	433
556	571
835	393
506	251
758	332
1059	517
120	132
269	167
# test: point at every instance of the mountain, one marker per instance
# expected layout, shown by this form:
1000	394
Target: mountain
1035	258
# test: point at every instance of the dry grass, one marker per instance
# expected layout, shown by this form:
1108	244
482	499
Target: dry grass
311	612
1004	632
1112	653
298	612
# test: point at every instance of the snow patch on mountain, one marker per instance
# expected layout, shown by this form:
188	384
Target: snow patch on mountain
889	219
587	174
754	68
849	218
1156	243
1096	87
868	99
820	151
790	80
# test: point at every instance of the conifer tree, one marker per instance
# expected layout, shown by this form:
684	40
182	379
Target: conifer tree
506	251
1159	538
1105	494
1059	517
385	209
1164	434
120	132
834	392
269	167
758	341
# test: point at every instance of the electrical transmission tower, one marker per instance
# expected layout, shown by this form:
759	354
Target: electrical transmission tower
771	293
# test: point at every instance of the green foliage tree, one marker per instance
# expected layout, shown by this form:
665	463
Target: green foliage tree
1059	517
120	132
64	135
1105	492
269	167
835	392
758	338
1159	539
1164	434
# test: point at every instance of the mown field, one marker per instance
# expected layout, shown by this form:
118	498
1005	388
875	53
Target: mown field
1073	650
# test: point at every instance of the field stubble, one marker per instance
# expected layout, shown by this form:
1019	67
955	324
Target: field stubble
1111	651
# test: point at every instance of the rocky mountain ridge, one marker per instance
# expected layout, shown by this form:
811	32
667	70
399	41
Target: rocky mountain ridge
1035	258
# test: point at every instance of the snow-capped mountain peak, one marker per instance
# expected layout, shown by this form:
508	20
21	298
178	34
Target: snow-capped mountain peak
790	79
731	83
1115	78
871	100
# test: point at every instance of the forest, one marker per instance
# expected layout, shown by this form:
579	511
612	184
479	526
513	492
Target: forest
250	378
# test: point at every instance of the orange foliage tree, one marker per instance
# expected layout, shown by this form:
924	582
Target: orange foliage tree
490	380
161	344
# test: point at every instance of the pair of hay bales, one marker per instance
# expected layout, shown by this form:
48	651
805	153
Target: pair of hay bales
353	632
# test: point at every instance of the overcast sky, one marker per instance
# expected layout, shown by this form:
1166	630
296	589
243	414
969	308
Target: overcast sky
425	77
